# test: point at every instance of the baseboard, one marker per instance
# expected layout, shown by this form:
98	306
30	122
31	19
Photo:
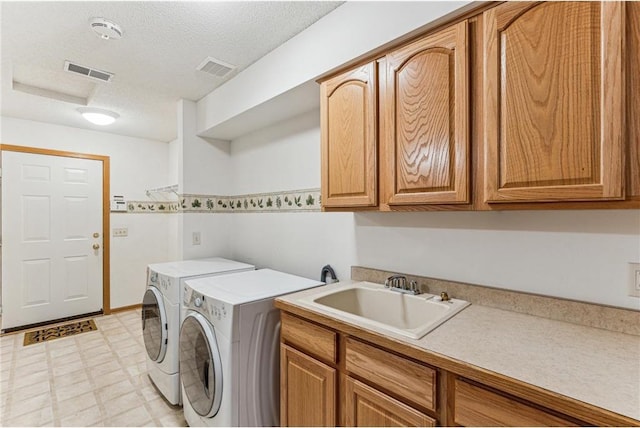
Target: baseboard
126	308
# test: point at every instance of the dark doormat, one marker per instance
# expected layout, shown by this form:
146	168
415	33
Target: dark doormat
64	330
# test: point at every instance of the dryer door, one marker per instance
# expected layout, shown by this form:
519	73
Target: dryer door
154	324
200	365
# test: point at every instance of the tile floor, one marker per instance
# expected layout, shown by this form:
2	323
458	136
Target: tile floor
97	378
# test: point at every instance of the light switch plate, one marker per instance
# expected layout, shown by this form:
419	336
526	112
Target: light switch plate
196	238
120	232
634	279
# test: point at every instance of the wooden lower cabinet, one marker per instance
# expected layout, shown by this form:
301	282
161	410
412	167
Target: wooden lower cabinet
316	341
400	376
478	406
308	390
366	406
353	381
311	359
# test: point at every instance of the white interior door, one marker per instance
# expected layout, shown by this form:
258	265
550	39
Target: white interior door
52	237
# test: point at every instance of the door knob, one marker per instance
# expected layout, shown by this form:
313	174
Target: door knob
96	246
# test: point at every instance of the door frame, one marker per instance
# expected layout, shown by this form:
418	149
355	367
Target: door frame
106	247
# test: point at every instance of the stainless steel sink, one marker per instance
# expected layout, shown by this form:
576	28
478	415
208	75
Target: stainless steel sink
374	305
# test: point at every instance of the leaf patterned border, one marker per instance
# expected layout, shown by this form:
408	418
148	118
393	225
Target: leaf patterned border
283	201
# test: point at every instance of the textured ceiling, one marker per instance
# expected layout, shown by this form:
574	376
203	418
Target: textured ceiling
154	63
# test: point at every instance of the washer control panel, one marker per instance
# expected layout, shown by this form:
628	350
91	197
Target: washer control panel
219	313
167	285
152	277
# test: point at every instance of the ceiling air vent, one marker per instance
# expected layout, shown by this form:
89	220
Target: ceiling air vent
215	67
91	73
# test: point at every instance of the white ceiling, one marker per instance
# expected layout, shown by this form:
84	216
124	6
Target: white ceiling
154	63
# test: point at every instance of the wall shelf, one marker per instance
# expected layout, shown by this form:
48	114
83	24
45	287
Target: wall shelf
162	190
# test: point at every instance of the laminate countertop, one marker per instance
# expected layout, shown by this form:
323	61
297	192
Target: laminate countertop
592	365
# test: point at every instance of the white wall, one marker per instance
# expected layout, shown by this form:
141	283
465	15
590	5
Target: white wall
136	165
278	157
215	233
175	162
580	255
299	243
203	168
205	164
148	242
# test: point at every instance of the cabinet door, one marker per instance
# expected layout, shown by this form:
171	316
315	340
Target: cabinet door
308	390
391	372
632	53
554	101
426	120
365	406
349	138
476	406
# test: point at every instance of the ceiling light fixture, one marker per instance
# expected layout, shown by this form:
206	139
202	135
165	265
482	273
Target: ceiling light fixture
106	29
98	116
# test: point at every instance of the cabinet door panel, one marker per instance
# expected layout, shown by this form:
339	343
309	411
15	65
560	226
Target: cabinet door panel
367	407
396	374
349	138
632	35
554	101
308	390
426	120
308	337
476	406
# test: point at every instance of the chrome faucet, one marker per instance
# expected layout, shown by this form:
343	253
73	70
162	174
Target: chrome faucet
399	283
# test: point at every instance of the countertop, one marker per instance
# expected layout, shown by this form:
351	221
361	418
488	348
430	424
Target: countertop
592	365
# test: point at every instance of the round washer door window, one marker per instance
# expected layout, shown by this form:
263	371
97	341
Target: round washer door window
154	324
200	365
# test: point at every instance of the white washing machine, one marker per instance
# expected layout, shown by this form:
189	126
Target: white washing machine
229	348
161	316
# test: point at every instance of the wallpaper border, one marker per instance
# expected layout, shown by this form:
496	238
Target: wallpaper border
283	201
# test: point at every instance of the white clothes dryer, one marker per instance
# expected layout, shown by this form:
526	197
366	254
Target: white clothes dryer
229	348
161	316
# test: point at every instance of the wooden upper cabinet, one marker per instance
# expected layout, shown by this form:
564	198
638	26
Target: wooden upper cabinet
426	120
632	55
348	105
554	101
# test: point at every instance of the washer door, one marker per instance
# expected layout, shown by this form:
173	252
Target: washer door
154	324
200	365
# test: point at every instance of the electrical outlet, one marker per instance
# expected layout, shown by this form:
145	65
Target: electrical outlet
634	279
120	232
196	238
